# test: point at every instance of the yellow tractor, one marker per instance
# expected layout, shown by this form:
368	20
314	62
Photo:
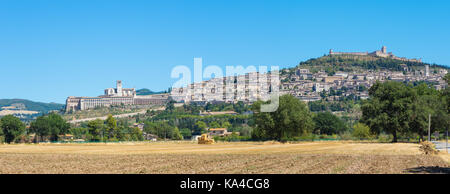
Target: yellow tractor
204	139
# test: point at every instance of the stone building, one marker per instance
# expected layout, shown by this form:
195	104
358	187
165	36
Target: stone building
119	91
379	53
114	96
246	88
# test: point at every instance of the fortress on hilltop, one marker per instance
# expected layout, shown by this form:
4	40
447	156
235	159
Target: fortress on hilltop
379	53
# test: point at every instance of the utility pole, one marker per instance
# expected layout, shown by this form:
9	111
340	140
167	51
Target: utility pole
429	127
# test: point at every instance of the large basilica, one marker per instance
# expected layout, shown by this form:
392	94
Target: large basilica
114	96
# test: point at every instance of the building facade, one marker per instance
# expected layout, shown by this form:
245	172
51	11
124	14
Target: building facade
247	88
114	96
379	53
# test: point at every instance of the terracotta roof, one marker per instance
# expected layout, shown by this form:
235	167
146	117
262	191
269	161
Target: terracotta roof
218	129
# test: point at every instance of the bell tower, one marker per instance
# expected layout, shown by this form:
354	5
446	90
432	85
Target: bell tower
384	50
119	88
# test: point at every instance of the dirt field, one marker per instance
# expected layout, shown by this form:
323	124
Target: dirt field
186	157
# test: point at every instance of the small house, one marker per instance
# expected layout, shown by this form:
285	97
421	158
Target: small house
220	132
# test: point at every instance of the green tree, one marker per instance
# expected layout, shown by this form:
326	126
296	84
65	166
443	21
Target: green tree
446	95
1	131
95	129
388	108
170	106
239	107
12	127
328	123
244	130
361	131
136	134
446	92
111	127
51	125
160	128
290	120
41	128
199	128
226	124
79	132
186	133
214	124
428	102
150	127
176	135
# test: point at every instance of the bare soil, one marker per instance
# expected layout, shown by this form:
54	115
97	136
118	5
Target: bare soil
250	157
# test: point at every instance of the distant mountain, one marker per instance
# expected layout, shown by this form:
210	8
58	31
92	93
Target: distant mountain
29	105
145	91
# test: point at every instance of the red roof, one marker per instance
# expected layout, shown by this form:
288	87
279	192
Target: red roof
218	129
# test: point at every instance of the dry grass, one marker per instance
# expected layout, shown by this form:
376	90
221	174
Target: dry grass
249	157
444	156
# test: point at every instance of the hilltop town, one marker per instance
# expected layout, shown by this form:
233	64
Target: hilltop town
311	86
332	77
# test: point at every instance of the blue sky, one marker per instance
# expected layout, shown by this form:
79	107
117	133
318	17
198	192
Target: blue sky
53	49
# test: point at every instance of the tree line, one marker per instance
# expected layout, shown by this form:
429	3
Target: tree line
52	127
397	108
393	108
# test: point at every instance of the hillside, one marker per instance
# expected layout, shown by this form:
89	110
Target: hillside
145	91
352	63
22	104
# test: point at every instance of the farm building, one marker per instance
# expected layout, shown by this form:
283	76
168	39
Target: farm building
220	132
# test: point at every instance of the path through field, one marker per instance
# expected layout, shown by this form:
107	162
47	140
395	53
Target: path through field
442	146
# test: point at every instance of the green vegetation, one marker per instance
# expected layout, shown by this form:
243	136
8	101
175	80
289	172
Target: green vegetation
291	119
163	130
53	127
361	131
145	91
49	125
349	63
79	132
199	127
32	106
334	106
95	129
101	111
396	108
328	123
11	127
108	130
188	121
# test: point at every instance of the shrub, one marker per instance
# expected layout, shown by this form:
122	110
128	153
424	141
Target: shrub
383	137
346	136
428	148
232	137
307	137
361	131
